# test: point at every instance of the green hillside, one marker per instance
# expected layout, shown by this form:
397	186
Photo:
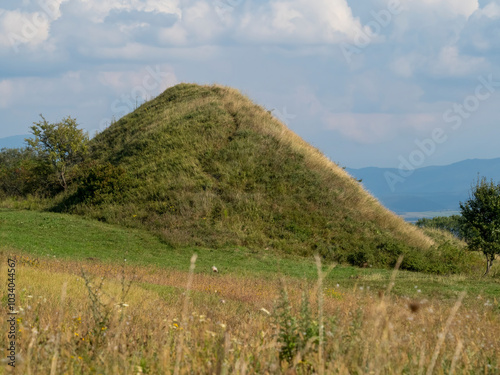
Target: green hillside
204	166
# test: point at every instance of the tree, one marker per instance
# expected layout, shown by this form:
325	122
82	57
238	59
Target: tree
481	220
62	144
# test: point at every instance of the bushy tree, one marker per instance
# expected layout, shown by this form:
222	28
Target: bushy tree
481	220
62	144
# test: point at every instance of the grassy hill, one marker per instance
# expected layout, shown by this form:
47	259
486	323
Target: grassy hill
205	166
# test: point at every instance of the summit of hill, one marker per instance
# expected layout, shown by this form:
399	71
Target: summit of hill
205	166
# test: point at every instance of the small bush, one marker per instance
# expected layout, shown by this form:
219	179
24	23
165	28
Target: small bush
448	223
359	258
297	334
100	183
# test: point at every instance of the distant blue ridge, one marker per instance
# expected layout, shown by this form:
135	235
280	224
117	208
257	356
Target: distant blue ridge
439	188
16	141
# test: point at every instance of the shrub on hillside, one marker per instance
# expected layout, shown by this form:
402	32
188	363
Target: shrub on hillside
360	258
100	182
450	224
442	259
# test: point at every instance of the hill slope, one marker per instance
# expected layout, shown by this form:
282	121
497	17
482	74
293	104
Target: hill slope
207	167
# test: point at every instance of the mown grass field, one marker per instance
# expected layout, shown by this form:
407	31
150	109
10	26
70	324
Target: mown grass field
171	321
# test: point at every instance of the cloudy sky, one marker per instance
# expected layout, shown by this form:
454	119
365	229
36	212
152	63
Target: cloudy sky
368	82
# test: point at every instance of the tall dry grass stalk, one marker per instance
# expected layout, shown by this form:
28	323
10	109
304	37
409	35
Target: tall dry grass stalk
458	351
444	332
184	325
320	315
394	274
320	299
53	368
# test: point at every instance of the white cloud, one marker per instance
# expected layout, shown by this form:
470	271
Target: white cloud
372	128
18	28
176	35
98	10
285	17
299	21
153	79
482	32
32	28
199	24
25	91
451	7
492	11
147	81
451	63
404	66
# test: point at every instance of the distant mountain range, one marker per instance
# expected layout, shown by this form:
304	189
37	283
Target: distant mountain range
439	188
15	141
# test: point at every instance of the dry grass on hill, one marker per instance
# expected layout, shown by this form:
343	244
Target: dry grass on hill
205	166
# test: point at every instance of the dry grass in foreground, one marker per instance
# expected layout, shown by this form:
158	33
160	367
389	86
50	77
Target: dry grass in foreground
74	323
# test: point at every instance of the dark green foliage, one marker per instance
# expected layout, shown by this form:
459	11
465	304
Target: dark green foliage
49	163
481	220
297	334
359	258
448	259
441	259
24	173
308	327
287	327
448	223
100	183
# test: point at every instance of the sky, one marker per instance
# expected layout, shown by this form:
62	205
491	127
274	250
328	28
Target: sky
398	83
